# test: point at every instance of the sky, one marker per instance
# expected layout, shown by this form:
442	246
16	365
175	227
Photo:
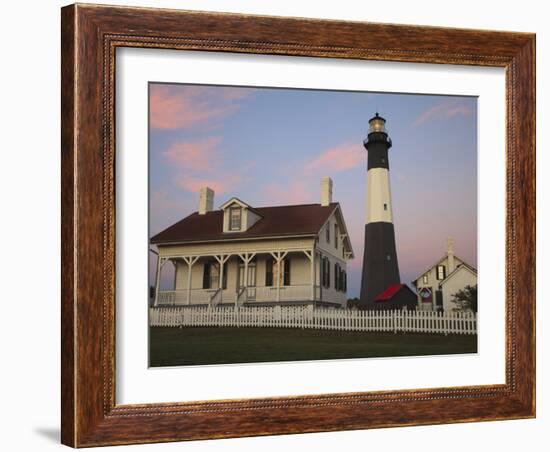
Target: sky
271	146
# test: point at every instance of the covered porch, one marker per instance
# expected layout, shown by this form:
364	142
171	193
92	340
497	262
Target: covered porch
248	278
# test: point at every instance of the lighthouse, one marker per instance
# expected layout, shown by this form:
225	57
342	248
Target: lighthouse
380	268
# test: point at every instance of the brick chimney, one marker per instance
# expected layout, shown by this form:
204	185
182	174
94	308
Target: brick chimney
326	191
450	255
206	200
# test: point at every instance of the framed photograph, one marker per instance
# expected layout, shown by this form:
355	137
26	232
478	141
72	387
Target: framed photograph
282	225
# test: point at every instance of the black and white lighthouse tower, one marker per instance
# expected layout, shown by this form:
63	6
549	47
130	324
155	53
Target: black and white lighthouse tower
380	267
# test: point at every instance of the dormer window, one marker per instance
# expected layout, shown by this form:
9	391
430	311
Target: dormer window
235	218
238	216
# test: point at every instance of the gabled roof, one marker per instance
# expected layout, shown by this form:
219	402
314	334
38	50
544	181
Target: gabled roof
465	266
439	262
235	200
390	292
296	220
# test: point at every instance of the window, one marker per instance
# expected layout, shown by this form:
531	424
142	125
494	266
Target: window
235	218
388	257
286	272
269	272
340	283
425	279
325	272
385	206
206	275
328	233
336	236
272	272
211	275
441	272
345	282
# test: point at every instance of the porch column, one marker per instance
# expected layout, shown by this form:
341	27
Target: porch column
312	275
321	276
190	260
246	258
279	256
157	281
278	280
222	259
246	261
311	257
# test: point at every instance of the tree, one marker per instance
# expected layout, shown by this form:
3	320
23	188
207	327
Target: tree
353	303
466	299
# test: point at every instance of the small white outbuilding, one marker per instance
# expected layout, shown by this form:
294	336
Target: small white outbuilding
436	286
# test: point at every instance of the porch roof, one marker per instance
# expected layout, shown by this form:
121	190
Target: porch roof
296	220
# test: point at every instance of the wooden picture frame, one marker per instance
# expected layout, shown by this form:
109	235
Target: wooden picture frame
90	36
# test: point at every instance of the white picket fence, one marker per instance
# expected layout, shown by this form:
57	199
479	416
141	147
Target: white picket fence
316	318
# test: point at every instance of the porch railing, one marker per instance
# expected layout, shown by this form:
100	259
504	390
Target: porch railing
179	297
286	293
215	296
242	296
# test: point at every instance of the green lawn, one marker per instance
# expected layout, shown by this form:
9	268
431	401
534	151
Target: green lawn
215	345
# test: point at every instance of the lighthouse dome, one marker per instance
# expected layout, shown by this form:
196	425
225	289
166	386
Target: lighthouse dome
377	124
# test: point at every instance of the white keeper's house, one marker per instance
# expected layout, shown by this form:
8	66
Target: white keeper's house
437	285
256	256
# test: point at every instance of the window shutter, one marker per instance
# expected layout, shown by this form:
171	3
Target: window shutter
345	282
286	276
206	276
328	272
269	272
345	288
336	277
224	280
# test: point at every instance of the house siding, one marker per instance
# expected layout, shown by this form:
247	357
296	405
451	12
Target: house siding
433	282
462	278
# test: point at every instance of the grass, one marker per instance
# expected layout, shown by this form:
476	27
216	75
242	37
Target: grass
216	345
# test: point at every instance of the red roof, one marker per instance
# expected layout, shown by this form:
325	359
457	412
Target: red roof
389	292
305	219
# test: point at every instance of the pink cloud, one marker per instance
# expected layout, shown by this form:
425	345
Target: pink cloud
197	155
339	158
176	106
218	184
446	110
296	192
